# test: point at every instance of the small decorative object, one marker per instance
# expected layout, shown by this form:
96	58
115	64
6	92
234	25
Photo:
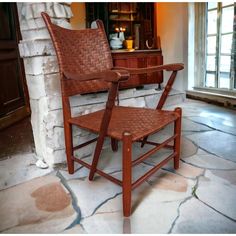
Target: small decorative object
41	164
117	39
116	43
136	41
129	44
148	45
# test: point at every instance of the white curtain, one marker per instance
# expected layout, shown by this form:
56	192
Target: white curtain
200	44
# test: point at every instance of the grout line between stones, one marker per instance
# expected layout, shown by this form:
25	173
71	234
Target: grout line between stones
213	129
74	201
193	195
216	210
178	214
207	150
101	204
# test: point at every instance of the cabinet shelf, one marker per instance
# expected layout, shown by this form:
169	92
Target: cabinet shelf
136	18
128	20
122	12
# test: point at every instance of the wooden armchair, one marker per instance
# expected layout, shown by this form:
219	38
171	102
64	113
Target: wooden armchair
86	66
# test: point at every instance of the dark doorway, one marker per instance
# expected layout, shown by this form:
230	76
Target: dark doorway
14	102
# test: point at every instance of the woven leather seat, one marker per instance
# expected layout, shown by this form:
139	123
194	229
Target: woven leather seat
137	121
86	66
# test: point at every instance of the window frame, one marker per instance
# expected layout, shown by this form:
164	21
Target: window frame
219	10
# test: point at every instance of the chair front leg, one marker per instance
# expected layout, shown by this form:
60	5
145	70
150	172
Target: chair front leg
177	131
127	173
104	127
96	156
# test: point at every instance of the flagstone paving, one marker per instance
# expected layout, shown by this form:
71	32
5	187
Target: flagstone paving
199	197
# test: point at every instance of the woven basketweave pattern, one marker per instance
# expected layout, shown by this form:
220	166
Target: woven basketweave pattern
140	122
81	52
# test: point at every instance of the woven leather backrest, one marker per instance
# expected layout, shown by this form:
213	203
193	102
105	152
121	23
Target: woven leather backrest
80	51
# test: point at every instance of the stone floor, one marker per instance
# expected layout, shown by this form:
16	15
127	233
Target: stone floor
198	198
12	144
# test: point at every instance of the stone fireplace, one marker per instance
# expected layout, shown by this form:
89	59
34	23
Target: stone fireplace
43	83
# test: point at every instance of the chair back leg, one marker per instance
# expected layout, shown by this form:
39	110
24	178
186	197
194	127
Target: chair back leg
177	131
114	145
68	134
127	173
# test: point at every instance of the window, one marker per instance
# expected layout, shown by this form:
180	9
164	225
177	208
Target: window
220	46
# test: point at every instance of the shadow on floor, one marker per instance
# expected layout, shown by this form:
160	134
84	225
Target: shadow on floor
17	139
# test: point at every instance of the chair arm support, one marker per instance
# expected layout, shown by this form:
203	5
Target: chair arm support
167	67
114	76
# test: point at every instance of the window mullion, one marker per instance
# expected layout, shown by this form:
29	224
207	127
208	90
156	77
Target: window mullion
218	44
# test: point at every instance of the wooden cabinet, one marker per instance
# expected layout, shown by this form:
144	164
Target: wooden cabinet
124	15
139	59
128	16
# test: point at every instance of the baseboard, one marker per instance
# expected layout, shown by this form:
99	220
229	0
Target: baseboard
213	97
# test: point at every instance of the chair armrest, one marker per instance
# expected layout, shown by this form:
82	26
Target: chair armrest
114	76
167	67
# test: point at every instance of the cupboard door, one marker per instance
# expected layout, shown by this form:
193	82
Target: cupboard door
11	81
139	60
131	62
156	77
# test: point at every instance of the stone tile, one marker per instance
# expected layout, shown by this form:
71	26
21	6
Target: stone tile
158	157
220	195
90	194
112	161
154	207
229	175
189	125
187	148
197	218
152	217
109	161
19	169
170	186
217	123
223	145
41	205
81	172
203	159
137	172
189	171
190	107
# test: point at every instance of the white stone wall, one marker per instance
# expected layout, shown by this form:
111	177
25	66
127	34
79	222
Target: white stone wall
42	76
43	82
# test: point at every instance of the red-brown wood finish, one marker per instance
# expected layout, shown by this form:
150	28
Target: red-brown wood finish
126	173
139	59
127	124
